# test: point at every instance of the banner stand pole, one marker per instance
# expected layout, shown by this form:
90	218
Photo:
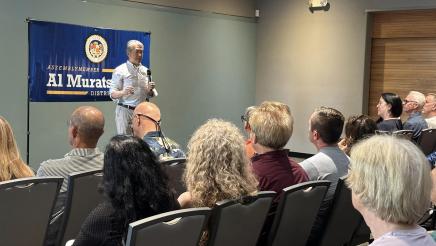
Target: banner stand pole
28	99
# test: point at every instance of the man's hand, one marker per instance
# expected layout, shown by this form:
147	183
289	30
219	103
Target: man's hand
151	85
128	90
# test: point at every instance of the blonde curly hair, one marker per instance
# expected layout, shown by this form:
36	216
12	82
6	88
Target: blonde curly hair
217	167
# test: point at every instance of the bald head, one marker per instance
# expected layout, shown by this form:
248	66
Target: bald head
141	125
88	123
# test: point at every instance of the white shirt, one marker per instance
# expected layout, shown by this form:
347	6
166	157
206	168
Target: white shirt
128	74
415	237
431	122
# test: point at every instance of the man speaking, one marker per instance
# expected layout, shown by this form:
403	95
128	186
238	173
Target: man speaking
131	85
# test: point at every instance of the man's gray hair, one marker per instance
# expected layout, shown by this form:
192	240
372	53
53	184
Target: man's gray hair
132	45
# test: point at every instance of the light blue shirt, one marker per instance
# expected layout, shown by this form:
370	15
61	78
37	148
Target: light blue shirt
128	74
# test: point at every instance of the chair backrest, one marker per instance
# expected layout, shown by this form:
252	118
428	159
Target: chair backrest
343	221
82	197
175	168
296	213
427	141
180	227
405	134
380	132
25	209
239	222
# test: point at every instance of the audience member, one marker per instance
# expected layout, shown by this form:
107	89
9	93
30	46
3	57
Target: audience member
356	128
85	127
135	187
389	108
390	183
146	121
412	105
330	163
429	110
271	128
217	167
11	164
249	150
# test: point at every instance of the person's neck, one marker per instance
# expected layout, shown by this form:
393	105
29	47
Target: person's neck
260	149
380	227
134	63
431	114
82	145
320	144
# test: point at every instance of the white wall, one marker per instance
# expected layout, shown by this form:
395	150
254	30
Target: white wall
309	59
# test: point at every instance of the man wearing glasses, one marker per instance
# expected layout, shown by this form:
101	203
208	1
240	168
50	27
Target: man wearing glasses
131	85
146	125
412	106
429	110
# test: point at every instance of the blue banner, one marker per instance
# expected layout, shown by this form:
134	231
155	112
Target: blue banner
71	63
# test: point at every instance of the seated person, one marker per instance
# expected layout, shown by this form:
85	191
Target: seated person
11	164
135	187
357	128
429	110
271	128
146	125
412	106
390	184
249	150
330	163
217	167
389	108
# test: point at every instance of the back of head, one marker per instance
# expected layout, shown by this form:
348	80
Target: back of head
418	97
217	167
11	164
359	127
328	122
272	124
133	179
391	177
395	102
89	122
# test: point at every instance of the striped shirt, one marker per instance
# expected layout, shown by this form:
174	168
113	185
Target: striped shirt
77	160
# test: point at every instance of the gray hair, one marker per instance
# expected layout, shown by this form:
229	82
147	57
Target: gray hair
131	45
418	97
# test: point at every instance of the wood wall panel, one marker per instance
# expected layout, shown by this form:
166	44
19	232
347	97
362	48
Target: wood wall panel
400	65
404	24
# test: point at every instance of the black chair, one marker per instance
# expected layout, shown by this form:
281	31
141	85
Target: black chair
82	197
175	168
343	221
180	227
239	222
427	141
25	209
405	134
296	213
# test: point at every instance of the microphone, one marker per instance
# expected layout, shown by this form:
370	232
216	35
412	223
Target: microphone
149	80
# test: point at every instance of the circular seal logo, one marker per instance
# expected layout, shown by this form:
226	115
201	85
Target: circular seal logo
96	48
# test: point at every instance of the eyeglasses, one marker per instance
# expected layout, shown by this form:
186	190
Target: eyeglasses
157	122
405	101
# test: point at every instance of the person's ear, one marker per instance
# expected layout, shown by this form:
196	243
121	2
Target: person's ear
74	131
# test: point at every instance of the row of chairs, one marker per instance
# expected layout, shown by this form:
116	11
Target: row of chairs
231	222
240	222
426	141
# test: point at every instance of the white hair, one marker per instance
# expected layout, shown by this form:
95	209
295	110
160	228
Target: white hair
418	97
391	177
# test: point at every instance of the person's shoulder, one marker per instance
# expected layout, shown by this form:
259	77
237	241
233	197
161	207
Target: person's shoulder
121	68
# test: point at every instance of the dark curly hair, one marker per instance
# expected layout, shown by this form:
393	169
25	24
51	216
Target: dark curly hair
134	181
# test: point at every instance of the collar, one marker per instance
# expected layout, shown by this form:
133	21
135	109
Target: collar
414	114
83	152
152	134
275	154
